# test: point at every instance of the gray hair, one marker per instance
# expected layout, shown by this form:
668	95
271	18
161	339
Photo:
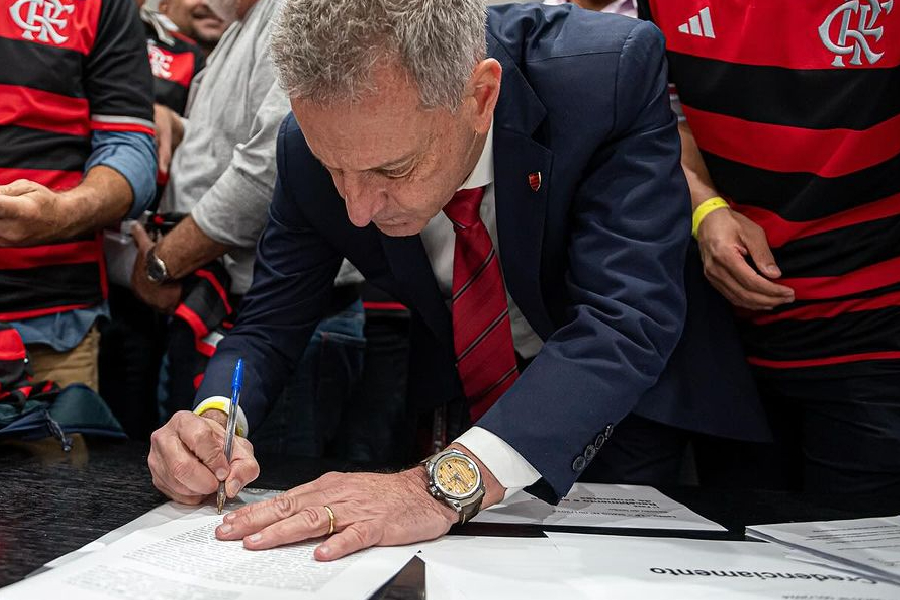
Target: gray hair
326	50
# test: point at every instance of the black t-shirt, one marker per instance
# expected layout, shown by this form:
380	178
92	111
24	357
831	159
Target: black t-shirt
174	61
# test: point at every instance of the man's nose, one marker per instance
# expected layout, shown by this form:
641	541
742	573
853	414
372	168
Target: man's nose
363	199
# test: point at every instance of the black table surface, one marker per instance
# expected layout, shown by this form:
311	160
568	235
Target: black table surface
53	503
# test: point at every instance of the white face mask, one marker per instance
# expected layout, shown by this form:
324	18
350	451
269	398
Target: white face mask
224	9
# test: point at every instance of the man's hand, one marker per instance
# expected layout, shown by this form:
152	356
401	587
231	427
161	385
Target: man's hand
30	214
726	238
169	132
187	458
163	297
370	509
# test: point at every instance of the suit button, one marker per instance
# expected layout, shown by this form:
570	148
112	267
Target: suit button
598	443
590	452
579	464
607	433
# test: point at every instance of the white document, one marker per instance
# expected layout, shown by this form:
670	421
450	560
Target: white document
600	505
182	560
472	568
591	567
674	569
160	515
870	546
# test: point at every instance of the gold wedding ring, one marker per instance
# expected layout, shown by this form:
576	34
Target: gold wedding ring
330	520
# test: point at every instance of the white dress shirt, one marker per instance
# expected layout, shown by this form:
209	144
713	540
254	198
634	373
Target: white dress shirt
508	466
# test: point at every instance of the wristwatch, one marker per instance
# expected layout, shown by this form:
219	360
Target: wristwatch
156	268
455	479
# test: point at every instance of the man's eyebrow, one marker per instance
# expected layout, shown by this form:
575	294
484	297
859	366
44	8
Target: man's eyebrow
393	164
316	156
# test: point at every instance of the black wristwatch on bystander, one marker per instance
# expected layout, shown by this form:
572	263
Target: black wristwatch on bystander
156	268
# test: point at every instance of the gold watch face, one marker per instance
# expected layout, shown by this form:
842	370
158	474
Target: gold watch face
455	476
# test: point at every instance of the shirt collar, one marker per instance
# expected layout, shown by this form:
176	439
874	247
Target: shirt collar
156	21
621	7
483	173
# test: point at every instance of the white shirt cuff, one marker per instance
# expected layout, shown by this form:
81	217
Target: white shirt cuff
502	460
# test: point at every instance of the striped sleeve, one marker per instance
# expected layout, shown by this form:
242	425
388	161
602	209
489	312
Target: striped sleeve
117	81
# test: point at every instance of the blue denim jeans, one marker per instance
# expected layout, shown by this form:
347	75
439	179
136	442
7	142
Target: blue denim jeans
307	418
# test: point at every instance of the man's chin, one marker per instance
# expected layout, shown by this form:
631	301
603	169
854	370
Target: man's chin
399	229
209	35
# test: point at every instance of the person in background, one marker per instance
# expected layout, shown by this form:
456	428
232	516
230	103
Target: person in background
792	154
133	341
78	154
222	180
195	19
175	59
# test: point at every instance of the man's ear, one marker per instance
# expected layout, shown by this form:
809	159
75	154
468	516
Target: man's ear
485	90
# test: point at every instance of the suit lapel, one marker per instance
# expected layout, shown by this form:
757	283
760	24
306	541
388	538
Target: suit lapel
521	203
521	210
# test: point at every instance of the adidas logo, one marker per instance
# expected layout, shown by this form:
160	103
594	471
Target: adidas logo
699	25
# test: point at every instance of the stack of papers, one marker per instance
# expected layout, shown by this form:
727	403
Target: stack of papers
600	505
171	552
870	547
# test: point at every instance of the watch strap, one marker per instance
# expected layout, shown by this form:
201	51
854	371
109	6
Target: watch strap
468	511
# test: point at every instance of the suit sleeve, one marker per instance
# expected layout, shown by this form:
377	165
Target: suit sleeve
293	276
629	232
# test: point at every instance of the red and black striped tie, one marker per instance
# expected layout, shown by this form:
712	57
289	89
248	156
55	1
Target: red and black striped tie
482	336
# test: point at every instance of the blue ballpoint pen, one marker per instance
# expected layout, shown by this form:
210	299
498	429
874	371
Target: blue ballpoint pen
236	381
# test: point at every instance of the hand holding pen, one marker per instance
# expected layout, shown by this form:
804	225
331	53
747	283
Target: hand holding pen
187	461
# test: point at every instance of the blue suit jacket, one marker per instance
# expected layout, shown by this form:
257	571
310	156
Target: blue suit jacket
594	258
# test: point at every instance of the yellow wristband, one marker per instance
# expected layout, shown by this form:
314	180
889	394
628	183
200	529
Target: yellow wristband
218	405
703	210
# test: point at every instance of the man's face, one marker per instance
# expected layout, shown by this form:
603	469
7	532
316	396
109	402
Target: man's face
394	163
195	19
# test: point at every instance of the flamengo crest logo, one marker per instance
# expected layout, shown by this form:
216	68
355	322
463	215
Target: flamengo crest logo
857	20
160	62
41	19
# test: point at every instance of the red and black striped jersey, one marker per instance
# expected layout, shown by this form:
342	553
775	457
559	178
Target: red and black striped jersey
70	67
174	61
796	109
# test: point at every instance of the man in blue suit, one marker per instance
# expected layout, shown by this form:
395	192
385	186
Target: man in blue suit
520	192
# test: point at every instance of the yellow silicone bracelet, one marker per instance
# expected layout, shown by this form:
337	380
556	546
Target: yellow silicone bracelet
219	405
703	210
